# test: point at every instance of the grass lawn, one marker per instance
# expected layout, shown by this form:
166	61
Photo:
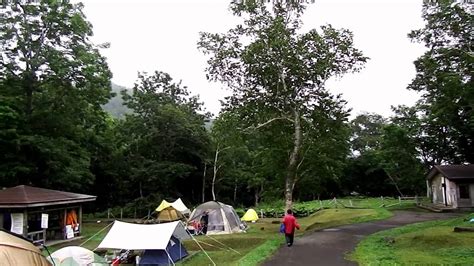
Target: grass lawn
424	243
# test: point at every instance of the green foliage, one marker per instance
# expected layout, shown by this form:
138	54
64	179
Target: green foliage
164	140
444	77
52	82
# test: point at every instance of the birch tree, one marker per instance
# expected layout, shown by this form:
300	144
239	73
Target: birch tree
277	73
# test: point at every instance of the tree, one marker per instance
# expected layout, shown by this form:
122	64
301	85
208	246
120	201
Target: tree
366	132
444	76
165	139
53	81
276	73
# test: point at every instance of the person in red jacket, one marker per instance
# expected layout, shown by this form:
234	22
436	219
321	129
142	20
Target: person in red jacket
290	224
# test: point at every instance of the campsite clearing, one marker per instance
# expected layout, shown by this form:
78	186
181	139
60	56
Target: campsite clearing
263	239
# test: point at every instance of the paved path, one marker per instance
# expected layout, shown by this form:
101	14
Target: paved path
329	246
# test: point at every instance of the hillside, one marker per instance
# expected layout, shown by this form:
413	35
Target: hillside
115	106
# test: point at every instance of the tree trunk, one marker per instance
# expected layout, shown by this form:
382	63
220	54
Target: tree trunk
258	192
257	197
293	162
235	190
216	168
140	188
204	182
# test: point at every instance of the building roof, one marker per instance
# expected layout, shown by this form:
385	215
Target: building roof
453	172
26	196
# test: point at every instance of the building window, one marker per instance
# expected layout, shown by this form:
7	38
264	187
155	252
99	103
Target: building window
464	191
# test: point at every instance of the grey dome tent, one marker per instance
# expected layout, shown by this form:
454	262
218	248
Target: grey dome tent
222	218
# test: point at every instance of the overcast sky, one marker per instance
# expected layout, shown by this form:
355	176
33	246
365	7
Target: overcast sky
162	35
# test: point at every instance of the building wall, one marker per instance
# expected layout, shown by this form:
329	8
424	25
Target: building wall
471	189
452	193
437	189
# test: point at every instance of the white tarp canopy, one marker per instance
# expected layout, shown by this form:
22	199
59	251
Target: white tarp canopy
142	236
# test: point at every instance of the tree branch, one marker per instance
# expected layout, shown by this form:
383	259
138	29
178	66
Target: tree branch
269	122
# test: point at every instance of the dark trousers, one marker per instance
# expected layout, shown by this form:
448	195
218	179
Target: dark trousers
289	238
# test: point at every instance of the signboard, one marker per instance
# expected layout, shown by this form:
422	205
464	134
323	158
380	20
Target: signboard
69	232
17	223
44	220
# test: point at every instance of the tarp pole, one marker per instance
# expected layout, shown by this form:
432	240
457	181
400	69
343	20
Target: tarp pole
197	242
95	234
169	257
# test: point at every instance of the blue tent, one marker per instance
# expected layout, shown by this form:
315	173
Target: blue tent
156	257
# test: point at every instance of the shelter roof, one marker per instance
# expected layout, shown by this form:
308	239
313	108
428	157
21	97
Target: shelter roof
453	172
27	196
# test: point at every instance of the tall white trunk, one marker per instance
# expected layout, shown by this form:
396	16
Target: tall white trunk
294	160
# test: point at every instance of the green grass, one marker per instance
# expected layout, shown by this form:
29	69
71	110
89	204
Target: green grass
424	243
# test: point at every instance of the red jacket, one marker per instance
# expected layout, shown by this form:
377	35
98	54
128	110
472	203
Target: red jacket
290	224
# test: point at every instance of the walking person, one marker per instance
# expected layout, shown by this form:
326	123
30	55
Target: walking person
290	223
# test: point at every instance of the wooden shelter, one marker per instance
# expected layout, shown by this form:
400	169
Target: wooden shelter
42	214
451	185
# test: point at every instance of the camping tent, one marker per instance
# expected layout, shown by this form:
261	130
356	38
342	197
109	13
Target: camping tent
14	250
175	250
170	214
250	216
74	255
146	237
222	218
177	204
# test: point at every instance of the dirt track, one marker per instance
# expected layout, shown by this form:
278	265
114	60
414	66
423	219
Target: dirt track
329	246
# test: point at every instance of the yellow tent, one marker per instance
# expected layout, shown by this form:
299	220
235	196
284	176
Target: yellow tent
177	205
250	216
16	251
163	205
170	214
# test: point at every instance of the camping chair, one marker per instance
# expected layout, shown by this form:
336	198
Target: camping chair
196	228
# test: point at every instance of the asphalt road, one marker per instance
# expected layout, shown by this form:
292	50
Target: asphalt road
329	246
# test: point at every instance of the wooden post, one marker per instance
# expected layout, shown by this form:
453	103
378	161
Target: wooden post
108	213
80	219
320	204
399	200
64	224
121	213
350	202
25	223
134	212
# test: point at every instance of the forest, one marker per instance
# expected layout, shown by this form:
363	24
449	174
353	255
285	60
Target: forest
282	134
